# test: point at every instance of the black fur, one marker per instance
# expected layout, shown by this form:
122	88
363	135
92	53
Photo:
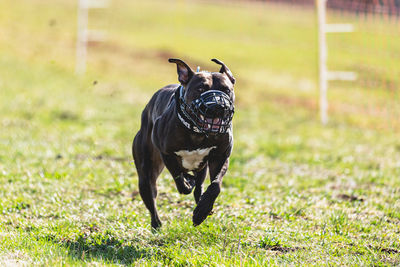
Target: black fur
162	134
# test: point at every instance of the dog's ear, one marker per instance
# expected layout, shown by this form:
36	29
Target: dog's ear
185	73
224	69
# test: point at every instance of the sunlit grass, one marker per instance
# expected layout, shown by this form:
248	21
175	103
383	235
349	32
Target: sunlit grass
296	193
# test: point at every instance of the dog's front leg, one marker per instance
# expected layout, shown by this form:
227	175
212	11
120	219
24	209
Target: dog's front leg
200	177
218	168
184	181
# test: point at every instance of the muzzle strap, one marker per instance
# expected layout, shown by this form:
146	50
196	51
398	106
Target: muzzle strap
183	116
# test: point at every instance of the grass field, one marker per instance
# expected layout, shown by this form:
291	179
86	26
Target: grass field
296	193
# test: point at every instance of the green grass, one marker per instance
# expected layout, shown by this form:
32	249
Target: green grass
296	193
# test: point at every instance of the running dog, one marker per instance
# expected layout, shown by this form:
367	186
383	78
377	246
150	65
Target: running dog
187	128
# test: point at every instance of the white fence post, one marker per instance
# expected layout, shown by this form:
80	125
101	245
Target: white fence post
324	74
84	35
81	42
323	80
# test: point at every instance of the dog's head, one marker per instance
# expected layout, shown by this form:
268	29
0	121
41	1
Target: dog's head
208	96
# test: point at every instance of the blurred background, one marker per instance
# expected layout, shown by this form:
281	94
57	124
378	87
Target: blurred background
271	46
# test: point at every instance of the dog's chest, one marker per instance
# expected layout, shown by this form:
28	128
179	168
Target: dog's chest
191	159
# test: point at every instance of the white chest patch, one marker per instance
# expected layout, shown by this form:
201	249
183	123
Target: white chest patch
191	159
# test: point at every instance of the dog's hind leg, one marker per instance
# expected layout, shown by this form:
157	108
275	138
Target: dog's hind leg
149	166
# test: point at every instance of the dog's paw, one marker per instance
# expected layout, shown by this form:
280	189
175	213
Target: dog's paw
185	183
206	203
189	181
203	209
155	223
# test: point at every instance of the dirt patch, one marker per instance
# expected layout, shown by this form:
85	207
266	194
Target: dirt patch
274	244
284	249
88	229
112	158
134	194
160	54
386	250
100	157
350	198
65	115
274	216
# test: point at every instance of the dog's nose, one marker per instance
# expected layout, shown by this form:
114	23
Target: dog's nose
220	110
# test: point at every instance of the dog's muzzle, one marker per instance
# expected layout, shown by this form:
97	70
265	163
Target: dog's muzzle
211	113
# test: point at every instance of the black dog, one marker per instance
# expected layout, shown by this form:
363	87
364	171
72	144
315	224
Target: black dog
187	128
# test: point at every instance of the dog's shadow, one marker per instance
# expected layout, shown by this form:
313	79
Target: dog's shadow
104	248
